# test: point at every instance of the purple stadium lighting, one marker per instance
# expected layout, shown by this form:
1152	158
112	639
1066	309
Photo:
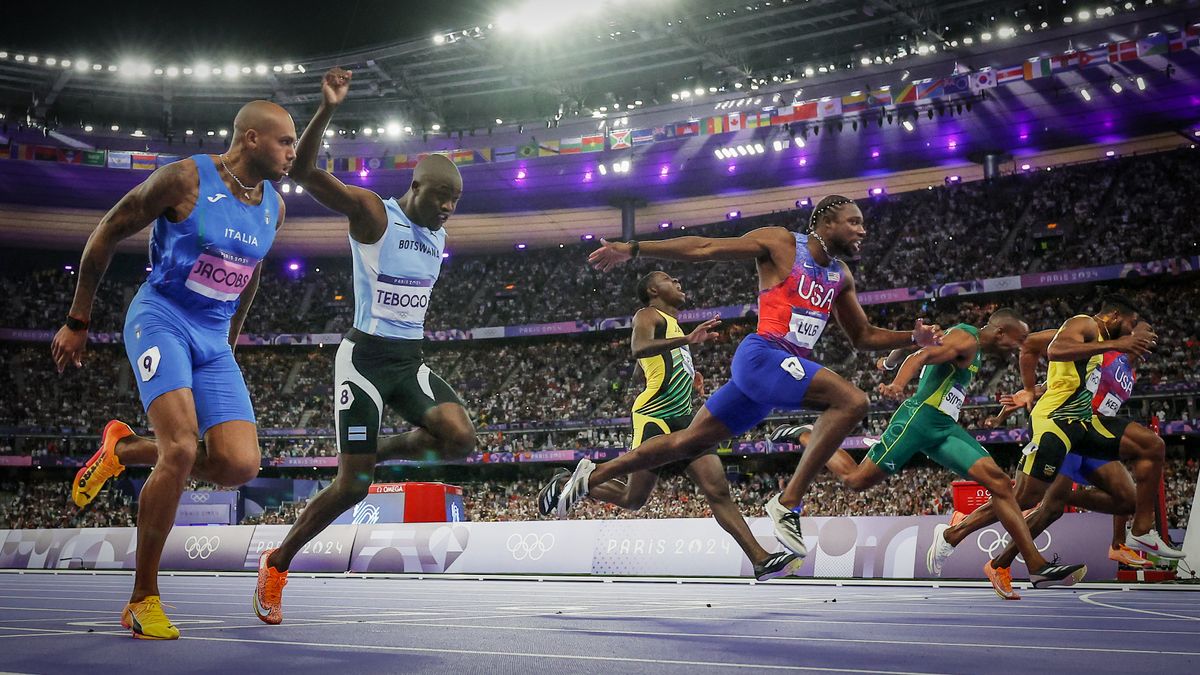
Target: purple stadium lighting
952	144
68	267
874	154
364	173
953	179
149	268
803	203
731	168
664	225
295	267
520	247
803	161
1026	167
587	176
664	170
445	254
877	192
587	237
733	214
1111	153
520	174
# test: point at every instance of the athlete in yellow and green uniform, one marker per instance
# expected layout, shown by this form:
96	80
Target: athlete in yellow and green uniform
663	354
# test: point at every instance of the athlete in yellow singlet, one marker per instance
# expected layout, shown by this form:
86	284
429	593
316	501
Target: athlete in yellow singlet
664	357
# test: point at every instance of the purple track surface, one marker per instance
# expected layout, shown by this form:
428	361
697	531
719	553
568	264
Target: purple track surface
56	623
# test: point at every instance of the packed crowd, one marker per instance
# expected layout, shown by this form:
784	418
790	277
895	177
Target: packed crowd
525	383
1106	212
30	504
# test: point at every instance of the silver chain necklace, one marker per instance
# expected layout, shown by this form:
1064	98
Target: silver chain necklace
820	241
247	190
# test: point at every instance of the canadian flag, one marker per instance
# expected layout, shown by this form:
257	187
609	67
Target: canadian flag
735	122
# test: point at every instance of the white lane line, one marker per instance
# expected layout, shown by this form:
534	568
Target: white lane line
922	643
641	662
1088	599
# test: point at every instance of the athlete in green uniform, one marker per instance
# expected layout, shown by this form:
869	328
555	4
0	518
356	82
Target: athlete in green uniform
927	423
664	358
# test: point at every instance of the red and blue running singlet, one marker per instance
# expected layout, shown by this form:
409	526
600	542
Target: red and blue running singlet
1117	378
793	314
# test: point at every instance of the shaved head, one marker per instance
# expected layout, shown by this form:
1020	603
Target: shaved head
265	135
437	170
264	117
434	193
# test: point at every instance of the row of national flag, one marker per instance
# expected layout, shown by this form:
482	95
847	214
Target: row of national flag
918	92
113	159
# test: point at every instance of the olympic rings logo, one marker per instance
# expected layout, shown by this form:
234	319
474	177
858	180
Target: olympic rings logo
998	541
200	497
530	546
201	546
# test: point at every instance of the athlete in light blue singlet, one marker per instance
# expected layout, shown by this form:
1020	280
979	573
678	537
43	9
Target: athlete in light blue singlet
214	219
397	247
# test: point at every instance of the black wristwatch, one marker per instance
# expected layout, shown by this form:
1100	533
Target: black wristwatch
76	324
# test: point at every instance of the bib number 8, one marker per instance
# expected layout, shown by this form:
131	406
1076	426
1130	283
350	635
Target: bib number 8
793	367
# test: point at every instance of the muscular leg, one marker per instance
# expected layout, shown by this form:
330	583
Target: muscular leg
631	495
173	415
1113	494
1147	451
1051	509
704	432
709	475
855	476
1004	504
229	454
845	406
446	432
349	487
1028	493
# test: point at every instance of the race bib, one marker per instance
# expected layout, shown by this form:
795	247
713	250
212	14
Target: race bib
685	358
952	402
220	275
401	300
805	329
1109	406
1093	381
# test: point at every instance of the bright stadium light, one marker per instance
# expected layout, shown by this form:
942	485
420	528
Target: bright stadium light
393	129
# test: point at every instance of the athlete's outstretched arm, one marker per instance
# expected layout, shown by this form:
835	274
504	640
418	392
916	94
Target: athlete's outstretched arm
644	344
853	320
754	245
1077	340
957	344
247	297
1032	351
368	217
165	189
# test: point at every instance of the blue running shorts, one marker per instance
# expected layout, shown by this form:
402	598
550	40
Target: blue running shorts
765	377
169	351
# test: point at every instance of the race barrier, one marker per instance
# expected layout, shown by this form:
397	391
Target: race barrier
871	547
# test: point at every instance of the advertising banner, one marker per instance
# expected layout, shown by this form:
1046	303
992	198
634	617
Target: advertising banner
213	548
328	552
870	547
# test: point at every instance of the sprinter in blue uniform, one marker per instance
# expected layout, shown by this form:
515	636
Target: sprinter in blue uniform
397	247
214	219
